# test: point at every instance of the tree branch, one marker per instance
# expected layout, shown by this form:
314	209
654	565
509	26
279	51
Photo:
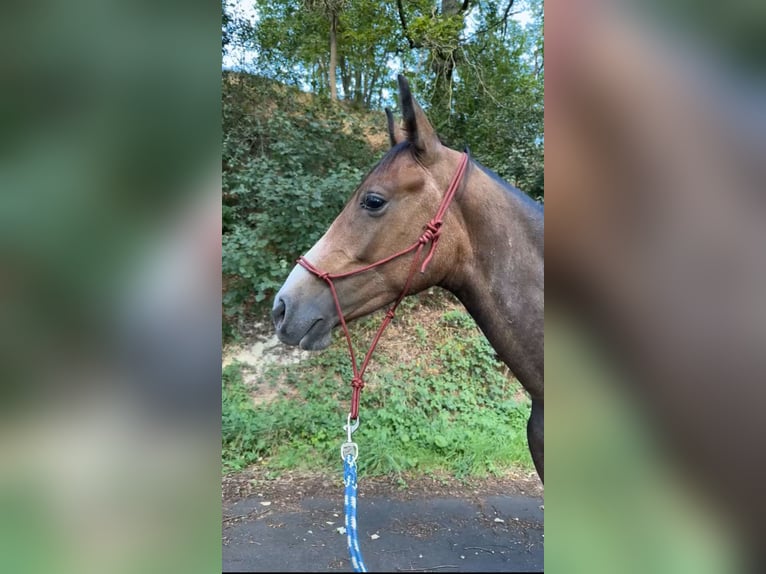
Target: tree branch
507	11
404	24
502	22
505	15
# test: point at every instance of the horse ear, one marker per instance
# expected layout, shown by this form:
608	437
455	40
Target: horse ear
420	133
394	132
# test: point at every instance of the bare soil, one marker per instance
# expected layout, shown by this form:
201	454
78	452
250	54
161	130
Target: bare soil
284	492
261	348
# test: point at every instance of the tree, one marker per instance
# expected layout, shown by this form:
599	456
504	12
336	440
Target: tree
438	32
331	9
368	43
478	71
235	29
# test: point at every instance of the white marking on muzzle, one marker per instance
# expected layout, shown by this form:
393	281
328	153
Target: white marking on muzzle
299	275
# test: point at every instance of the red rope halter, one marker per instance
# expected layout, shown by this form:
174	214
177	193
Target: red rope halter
431	234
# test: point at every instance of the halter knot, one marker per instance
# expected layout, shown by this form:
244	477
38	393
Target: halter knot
432	232
323	275
390	313
357	383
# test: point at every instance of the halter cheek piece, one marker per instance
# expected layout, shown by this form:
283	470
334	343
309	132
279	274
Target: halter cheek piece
431	235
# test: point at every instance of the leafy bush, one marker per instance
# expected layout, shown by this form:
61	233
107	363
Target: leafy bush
290	161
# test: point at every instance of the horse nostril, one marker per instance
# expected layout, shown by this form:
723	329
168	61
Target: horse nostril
278	312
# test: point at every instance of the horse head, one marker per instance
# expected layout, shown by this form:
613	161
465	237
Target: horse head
389	211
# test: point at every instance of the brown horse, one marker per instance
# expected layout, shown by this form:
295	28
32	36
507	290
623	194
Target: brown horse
490	254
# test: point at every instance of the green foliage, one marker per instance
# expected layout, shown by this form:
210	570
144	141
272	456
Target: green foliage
497	99
452	408
235	30
293	45
441	33
510	96
481	85
289	164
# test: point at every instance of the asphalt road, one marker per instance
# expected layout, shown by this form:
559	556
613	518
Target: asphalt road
486	534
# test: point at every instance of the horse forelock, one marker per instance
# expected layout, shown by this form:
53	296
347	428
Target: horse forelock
392	154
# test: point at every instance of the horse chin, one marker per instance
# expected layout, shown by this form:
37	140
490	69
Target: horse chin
312	341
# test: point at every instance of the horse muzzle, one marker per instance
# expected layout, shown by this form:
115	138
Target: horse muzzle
303	312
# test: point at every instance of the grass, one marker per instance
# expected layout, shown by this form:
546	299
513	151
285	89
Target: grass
439	401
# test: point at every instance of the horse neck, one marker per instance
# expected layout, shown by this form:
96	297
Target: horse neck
499	277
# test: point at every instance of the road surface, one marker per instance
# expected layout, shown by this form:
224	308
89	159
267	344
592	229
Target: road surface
440	534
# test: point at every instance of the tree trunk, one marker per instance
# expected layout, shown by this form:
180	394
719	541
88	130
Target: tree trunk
321	76
333	56
345	77
443	64
370	88
358	86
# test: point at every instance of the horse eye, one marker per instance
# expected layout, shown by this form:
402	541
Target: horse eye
373	202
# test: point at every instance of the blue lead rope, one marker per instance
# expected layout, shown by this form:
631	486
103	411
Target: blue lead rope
349	452
349	478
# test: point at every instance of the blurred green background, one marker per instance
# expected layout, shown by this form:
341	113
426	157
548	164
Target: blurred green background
110	281
614	501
